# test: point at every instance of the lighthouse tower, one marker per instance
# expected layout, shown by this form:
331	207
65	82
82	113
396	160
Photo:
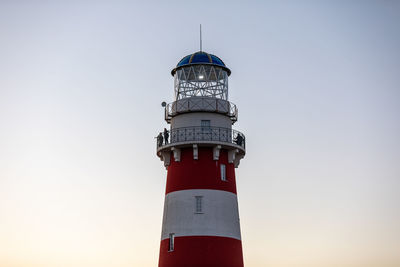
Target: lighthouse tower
201	151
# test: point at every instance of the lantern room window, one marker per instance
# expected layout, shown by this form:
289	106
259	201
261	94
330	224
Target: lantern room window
201	80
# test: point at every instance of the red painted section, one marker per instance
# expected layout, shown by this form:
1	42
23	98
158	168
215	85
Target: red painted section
203	173
196	251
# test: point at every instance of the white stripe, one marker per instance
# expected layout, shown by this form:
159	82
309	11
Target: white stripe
220	215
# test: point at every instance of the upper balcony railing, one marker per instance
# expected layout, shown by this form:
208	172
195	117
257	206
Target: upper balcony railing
201	104
201	134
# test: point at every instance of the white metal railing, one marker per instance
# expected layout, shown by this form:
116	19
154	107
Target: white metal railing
201	104
199	133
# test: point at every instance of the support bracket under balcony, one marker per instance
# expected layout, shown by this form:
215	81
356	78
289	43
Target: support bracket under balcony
216	151
236	162
166	157
234	157
177	154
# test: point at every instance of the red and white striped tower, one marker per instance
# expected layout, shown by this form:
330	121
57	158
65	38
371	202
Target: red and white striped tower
201	151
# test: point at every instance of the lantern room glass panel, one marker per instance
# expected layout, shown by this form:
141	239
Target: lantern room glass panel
201	80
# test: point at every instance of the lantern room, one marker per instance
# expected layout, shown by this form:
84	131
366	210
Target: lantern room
201	75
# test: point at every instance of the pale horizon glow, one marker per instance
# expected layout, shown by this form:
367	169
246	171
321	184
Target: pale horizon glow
317	88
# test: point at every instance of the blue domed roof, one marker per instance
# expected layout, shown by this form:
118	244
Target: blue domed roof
200	58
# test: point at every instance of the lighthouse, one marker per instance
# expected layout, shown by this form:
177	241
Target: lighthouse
200	151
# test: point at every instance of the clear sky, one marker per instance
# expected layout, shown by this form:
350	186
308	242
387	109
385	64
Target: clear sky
317	87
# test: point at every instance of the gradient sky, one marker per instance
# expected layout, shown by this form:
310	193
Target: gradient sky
317	87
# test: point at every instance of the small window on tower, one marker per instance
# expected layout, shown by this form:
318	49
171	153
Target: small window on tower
199	204
171	242
223	172
205	123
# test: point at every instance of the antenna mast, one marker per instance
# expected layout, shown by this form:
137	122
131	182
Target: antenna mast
201	42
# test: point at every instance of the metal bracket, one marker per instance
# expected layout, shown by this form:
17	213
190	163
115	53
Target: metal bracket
232	155
216	151
166	157
237	160
177	154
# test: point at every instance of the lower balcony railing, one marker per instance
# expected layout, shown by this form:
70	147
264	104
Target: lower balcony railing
199	133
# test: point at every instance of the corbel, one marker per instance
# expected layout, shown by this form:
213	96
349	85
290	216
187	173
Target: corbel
216	151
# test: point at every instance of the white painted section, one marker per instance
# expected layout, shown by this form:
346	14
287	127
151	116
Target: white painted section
195	118
220	216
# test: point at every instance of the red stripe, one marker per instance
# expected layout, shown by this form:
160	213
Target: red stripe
196	251
203	173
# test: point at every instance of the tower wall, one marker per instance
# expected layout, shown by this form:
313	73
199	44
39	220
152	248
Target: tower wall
202	251
203	173
195	118
212	236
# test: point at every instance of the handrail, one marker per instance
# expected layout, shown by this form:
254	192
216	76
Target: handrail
201	133
201	104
